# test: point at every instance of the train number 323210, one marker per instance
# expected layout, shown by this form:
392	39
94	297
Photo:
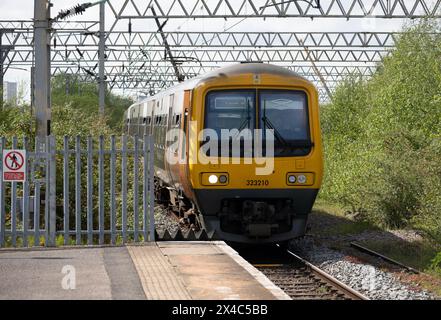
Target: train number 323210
257	183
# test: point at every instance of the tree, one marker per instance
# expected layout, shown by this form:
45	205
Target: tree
68	90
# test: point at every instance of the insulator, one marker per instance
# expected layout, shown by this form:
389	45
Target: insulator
79	52
76	10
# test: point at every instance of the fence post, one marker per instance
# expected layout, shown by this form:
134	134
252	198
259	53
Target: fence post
124	188
66	190
52	190
151	189
135	189
101	190
14	204
2	198
89	191
25	200
37	214
145	188
77	190
112	189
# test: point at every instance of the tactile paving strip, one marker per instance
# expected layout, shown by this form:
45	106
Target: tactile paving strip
158	277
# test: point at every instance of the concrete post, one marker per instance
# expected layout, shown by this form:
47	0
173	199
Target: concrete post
102	48
32	89
42	52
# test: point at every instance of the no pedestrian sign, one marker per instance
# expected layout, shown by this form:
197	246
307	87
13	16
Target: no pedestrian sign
14	165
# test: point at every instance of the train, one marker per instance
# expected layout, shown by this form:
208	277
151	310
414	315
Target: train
237	150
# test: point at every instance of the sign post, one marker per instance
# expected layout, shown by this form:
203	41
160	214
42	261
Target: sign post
14	165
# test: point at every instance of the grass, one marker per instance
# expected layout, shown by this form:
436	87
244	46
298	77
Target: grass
418	255
340	223
59	241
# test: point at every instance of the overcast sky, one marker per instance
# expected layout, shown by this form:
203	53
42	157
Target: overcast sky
23	10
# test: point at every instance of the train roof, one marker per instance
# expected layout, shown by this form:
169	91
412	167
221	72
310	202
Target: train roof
257	68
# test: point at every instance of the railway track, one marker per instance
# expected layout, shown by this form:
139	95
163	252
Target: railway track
297	277
383	257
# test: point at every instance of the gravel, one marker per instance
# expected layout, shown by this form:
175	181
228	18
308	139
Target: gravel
164	222
367	279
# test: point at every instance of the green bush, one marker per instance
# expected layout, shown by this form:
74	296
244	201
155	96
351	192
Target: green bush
16	122
67	90
382	137
436	262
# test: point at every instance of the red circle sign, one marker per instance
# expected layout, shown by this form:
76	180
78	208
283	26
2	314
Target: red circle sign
14	161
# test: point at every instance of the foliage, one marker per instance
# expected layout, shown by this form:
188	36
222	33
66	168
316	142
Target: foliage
67	90
16	122
382	137
74	111
436	262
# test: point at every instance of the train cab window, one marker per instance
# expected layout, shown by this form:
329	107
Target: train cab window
286	112
230	109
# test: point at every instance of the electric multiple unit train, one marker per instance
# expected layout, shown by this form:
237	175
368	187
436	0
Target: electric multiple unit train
246	194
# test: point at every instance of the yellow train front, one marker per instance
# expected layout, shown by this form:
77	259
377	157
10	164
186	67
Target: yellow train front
250	153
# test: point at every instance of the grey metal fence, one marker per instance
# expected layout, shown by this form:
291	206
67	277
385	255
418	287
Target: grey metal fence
80	191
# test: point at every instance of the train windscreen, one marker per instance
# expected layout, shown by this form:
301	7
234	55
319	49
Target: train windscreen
283	111
286	112
231	109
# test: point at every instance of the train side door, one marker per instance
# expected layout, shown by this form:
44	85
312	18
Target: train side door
184	176
170	116
170	125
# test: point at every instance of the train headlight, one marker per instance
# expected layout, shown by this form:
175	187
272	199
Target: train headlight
223	179
213	179
301	178
292	179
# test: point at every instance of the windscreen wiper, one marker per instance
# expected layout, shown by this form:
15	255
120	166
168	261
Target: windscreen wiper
268	125
247	122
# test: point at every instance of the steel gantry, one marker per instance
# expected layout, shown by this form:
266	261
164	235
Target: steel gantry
75	50
118	50
175	9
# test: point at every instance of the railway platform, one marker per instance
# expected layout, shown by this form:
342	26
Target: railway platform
156	271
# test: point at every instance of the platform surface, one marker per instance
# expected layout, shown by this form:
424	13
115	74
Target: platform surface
157	271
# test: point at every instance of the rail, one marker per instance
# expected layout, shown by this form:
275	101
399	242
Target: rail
330	279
